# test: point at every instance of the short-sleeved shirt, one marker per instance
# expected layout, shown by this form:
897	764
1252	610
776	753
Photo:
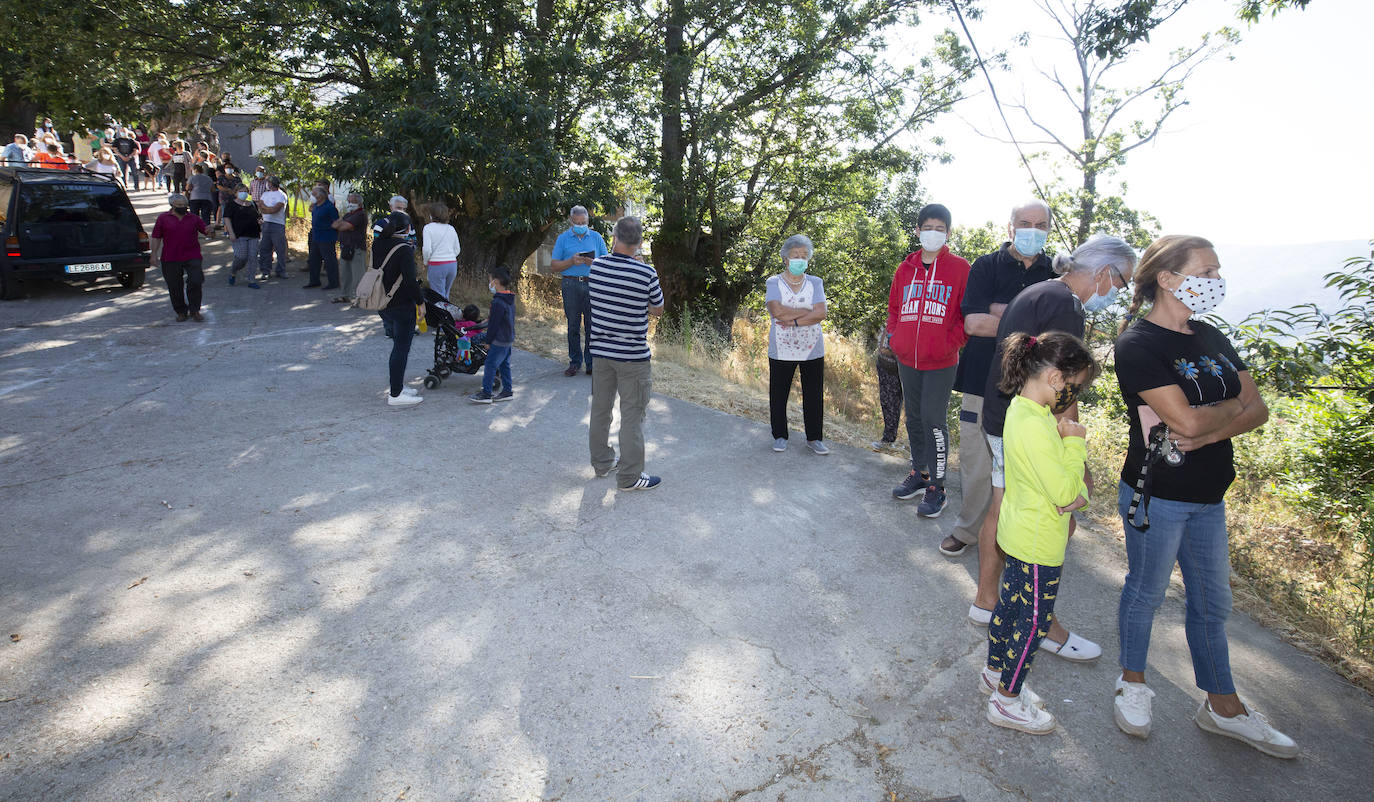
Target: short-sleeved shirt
179	240
125	146
995	278
1207	369
271	198
569	245
622	289
321	216
795	343
1047	306
244	219
356	236
201	187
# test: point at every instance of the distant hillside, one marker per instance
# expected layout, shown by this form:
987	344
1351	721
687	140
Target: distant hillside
1279	276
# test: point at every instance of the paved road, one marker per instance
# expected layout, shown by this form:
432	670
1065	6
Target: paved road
234	572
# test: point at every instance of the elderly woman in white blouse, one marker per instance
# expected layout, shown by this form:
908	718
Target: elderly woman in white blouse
796	303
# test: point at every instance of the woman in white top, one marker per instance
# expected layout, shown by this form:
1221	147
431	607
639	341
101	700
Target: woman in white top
440	247
796	303
155	156
103	163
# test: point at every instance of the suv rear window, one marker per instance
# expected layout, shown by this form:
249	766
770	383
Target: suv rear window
73	203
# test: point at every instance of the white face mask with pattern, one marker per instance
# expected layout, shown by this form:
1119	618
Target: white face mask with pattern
1200	294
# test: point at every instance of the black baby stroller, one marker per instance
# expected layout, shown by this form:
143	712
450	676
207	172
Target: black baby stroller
453	353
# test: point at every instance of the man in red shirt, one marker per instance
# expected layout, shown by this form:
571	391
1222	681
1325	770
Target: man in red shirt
176	248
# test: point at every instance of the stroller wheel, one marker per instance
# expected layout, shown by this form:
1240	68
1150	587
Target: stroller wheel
431	382
443	373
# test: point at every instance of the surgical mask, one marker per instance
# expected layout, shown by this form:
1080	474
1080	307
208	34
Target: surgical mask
1029	241
491	288
1101	301
933	240
179	211
1200	294
243	196
579	230
350	206
1065	397
259	173
796	266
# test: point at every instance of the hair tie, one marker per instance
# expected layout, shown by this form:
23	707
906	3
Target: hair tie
1030	342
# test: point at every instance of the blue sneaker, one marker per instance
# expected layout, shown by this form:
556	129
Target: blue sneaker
231	279
910	487
480	397
933	504
253	285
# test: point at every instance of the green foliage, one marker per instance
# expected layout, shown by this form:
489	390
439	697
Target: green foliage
971	243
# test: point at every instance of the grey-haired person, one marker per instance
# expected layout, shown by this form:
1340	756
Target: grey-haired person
796	305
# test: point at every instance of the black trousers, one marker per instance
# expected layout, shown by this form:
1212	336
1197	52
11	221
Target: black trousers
202	208
184	280
780	374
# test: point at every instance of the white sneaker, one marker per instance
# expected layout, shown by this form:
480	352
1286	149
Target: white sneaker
1018	714
1131	707
403	400
404	391
1075	649
979	617
988	680
1250	727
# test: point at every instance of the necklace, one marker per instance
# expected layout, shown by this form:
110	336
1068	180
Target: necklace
795	285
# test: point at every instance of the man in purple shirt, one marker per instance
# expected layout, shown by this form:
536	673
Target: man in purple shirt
176	248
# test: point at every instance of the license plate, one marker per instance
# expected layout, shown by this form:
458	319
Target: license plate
91	267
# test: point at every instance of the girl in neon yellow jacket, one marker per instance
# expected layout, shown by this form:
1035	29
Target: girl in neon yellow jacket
1044	477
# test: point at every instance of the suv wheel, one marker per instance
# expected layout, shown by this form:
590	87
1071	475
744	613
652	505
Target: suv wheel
131	279
10	287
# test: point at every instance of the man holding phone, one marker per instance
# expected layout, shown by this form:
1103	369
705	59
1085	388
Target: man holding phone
573	253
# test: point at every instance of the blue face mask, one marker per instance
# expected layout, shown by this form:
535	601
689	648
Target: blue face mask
1029	241
579	230
1099	302
796	266
492	288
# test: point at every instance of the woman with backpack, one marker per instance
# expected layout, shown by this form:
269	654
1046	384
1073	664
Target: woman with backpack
395	258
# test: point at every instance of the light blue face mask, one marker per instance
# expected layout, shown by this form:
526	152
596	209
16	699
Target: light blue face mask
796	266
1097	303
1029	241
579	230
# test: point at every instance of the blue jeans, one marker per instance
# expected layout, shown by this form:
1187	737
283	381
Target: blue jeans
1194	536
273	239
400	321
129	170
498	359
577	308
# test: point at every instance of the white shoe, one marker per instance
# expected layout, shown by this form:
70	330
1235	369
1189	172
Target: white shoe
1251	727
988	680
404	391
403	400
1132	707
1075	649
979	617
1018	714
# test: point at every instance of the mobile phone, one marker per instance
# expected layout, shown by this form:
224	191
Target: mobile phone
588	254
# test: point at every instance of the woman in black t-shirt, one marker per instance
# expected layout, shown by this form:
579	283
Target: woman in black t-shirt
1182	374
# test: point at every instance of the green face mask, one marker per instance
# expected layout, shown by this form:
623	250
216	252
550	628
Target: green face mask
796	266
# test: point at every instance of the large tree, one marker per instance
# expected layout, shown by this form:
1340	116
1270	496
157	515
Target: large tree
770	114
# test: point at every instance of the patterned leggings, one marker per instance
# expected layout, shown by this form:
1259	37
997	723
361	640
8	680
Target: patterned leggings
1025	608
890	399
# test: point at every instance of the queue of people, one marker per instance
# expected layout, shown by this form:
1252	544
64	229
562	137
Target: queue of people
1007	331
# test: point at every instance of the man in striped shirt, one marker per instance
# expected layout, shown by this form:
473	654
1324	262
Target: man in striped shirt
624	292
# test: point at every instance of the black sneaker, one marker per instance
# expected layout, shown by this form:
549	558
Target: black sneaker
505	395
910	487
933	504
480	397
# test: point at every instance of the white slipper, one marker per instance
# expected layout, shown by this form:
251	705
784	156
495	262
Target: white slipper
979	617
1075	649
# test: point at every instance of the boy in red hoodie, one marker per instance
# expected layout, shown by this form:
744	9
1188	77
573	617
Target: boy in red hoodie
925	329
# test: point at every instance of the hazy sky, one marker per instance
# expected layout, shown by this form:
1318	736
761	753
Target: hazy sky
1273	147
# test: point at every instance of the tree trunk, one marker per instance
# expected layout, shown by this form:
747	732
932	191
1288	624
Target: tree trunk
18	111
1087	207
479	255
672	257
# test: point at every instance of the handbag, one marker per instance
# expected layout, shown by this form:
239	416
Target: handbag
371	293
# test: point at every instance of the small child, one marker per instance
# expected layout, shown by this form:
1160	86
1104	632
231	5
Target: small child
470	332
1044	483
500	338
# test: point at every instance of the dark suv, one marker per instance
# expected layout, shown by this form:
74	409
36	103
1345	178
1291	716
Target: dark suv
61	225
